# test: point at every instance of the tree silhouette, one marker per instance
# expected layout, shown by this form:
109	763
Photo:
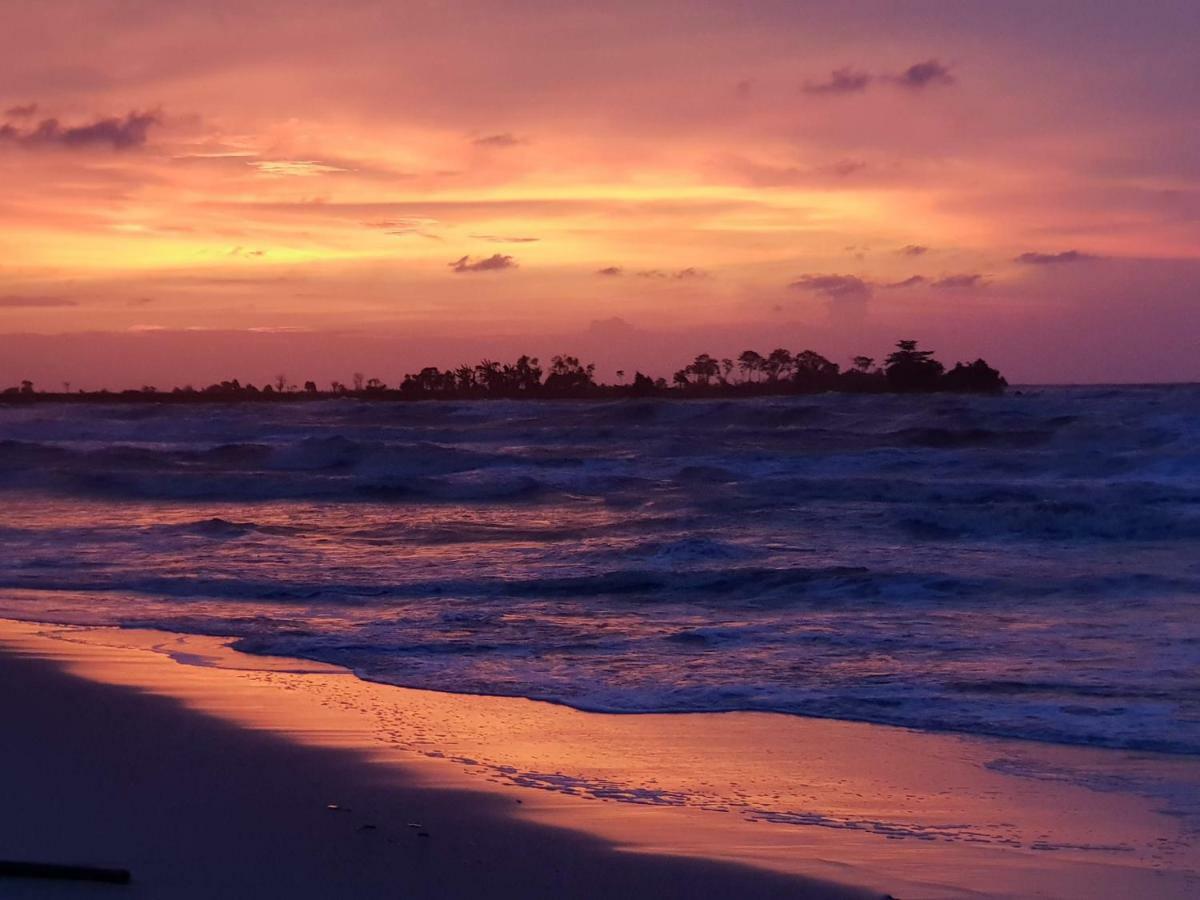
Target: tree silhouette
813	372
525	376
463	376
777	364
977	378
750	362
568	375
701	371
910	369
643	384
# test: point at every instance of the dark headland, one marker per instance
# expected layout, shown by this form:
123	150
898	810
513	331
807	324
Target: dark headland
906	370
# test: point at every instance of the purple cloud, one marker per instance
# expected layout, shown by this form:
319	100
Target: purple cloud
911	281
115	132
835	287
679	274
959	281
493	263
614	327
1049	259
610	271
841	81
923	74
913	250
21	111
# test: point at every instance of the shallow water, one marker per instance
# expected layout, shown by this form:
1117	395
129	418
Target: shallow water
1025	566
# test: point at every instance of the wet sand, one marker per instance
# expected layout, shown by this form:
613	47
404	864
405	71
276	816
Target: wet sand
209	772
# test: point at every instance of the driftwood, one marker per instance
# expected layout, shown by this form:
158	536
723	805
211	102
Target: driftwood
14	869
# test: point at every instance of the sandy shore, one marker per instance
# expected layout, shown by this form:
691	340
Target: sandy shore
197	807
210	773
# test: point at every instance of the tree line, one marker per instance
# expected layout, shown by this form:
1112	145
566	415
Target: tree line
907	369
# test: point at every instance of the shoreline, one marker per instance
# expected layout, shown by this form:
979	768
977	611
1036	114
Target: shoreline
102	772
599	788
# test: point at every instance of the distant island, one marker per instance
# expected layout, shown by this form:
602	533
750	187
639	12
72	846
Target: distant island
906	370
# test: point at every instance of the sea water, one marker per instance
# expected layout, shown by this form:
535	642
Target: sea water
1025	566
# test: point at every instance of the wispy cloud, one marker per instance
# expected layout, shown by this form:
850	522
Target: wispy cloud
911	281
504	139
835	287
294	168
502	239
21	110
418	225
848	80
854	287
955	282
493	263
841	81
610	271
845	167
913	250
678	274
1050	259
20	301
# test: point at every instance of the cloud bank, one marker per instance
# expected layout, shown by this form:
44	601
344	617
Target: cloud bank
114	132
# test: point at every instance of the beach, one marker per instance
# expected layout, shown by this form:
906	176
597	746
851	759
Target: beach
198	806
208	772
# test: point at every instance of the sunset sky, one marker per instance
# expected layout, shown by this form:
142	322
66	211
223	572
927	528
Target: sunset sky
196	190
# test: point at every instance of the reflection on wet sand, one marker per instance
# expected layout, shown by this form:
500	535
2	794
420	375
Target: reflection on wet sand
891	808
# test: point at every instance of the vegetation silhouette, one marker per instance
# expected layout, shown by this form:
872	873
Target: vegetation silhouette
906	370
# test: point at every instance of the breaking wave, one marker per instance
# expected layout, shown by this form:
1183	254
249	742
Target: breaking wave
1021	565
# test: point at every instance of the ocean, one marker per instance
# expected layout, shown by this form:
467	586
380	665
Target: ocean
1024	566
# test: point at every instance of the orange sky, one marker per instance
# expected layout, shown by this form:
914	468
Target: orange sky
212	189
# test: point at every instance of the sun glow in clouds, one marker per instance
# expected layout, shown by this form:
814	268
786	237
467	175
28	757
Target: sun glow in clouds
342	168
297	168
